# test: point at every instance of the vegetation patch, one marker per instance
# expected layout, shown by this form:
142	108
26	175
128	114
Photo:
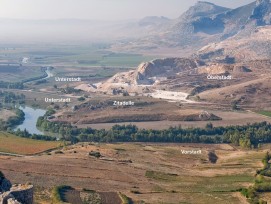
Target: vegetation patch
246	136
262	183
57	197
266	113
212	157
95	154
125	199
1	175
156	175
266	171
120	149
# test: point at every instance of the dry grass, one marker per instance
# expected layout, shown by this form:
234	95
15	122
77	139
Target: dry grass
159	172
17	145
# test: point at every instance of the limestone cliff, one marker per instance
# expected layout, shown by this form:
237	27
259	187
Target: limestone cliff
167	66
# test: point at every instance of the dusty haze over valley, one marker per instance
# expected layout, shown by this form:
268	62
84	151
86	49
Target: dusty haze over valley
135	101
55	22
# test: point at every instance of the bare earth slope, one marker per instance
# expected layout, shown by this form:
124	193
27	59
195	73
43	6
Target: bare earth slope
145	172
252	47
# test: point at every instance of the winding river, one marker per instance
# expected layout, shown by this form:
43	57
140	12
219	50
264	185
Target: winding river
32	114
49	73
31	117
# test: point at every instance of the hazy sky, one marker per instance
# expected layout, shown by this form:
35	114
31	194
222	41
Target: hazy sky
100	9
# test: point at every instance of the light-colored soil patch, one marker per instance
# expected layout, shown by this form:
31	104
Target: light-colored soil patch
242	199
266	197
6	114
171	95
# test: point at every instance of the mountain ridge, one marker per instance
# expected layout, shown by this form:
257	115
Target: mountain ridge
240	51
206	23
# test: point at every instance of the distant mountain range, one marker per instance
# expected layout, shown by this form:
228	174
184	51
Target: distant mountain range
200	25
206	22
224	42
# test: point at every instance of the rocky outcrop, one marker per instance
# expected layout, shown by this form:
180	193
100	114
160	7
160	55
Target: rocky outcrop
262	12
16	194
8	198
147	73
203	8
13	201
223	69
4	197
211	19
5	185
197	19
256	46
206	23
23	193
166	67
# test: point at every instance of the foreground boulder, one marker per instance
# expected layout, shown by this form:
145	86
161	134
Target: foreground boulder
5	184
16	194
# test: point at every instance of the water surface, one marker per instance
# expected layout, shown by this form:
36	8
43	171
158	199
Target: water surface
31	117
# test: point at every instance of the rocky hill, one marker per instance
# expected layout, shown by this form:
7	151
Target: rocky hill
199	18
202	24
166	67
239	54
153	21
256	46
202	9
147	73
222	69
220	23
262	12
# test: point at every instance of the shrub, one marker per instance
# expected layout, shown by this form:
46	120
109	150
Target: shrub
212	157
125	199
135	192
95	154
56	194
2	175
58	152
56	197
81	99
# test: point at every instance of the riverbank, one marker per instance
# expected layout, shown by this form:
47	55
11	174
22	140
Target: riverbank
47	73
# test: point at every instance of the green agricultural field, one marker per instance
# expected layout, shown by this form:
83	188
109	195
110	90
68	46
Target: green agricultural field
94	61
12	144
15	73
72	55
92	58
112	59
266	113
